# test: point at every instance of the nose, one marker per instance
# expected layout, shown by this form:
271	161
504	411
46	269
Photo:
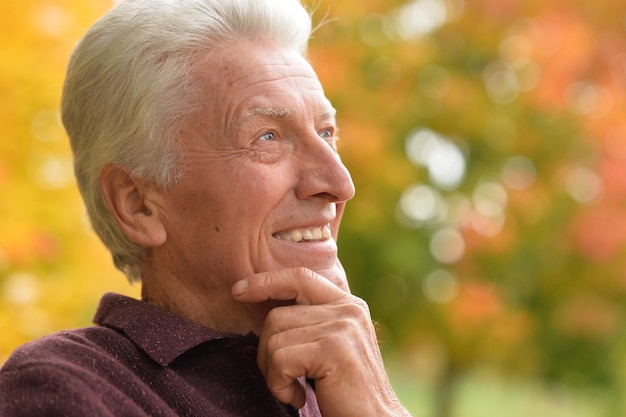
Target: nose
322	173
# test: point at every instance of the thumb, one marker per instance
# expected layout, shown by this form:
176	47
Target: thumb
294	395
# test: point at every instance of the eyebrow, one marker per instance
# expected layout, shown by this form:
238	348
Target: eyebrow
269	112
279	112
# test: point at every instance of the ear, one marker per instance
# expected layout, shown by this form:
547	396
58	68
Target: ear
131	201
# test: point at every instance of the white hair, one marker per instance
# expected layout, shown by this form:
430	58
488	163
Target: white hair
128	89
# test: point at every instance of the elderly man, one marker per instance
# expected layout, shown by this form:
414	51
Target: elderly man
205	151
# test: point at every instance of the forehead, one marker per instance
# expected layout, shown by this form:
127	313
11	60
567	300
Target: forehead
258	79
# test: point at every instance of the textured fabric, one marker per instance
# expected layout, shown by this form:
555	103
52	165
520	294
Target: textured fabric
139	361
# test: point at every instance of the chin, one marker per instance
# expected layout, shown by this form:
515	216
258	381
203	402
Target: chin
336	275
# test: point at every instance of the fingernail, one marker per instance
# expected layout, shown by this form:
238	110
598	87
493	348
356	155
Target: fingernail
240	287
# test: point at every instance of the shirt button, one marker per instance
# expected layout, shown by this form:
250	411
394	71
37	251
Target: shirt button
249	353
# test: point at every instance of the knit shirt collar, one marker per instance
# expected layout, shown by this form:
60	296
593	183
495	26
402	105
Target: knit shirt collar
164	336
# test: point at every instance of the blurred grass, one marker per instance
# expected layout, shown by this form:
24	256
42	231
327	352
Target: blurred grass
482	394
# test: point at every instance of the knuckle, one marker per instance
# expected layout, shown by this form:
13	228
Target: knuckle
273	345
272	316
278	359
362	304
279	385
355	308
300	271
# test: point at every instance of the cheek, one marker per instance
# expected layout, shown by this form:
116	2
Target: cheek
268	152
237	193
261	185
248	209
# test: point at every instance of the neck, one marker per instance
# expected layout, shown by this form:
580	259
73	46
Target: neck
208	305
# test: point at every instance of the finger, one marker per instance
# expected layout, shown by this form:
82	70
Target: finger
272	341
335	331
284	373
300	316
299	284
293	394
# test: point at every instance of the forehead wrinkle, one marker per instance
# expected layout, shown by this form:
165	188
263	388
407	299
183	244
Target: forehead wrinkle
329	114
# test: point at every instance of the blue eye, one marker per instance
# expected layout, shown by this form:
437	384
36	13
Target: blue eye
269	136
326	133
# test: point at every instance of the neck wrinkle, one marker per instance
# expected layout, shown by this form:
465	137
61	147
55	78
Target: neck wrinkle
213	308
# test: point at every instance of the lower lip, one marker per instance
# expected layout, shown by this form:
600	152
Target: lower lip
317	256
324	245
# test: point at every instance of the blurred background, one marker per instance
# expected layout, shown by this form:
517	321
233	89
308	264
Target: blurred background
487	141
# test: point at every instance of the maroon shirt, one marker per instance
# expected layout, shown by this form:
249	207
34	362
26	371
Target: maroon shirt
139	361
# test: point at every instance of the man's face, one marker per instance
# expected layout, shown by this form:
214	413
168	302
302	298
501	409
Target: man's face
263	186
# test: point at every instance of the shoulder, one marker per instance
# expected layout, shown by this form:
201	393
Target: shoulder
66	352
64	373
71	346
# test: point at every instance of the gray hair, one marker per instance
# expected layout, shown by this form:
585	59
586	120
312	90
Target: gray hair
128	90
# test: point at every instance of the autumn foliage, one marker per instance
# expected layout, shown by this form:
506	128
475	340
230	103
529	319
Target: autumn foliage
487	141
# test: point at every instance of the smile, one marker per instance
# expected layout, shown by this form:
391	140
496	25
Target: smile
309	234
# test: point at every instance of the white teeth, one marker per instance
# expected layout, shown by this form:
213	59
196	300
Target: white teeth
296	236
306	235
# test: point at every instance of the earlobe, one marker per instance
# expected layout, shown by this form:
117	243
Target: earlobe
129	199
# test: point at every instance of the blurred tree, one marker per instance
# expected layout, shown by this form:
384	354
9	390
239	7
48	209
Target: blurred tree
52	268
487	139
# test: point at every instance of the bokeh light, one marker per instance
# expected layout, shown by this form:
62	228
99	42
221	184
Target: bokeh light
440	286
487	141
443	158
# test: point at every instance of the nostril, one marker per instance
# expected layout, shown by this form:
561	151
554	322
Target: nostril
327	196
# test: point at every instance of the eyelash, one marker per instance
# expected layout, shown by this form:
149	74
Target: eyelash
331	133
271	136
264	136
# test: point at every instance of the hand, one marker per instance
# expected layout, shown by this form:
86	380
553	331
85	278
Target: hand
326	335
